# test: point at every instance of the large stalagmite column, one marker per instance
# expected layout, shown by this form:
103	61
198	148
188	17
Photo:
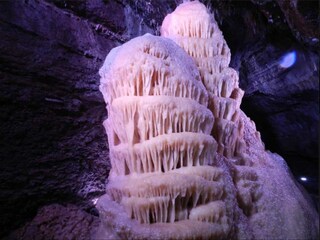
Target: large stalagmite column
161	183
167	180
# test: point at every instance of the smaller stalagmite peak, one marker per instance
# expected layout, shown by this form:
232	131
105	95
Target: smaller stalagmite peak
195	30
186	161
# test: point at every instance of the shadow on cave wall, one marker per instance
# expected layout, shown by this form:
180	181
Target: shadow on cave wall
53	148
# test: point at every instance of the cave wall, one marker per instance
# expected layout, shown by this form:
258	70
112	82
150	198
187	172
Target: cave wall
283	102
53	148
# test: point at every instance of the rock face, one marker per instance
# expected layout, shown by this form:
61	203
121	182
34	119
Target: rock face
52	145
56	221
165	182
51	111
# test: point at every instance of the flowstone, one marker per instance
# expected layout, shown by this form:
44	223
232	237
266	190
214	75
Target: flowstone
186	161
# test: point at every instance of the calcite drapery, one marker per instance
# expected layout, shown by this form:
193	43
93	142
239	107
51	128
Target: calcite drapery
167	182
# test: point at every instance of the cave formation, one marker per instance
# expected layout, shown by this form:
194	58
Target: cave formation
169	178
53	147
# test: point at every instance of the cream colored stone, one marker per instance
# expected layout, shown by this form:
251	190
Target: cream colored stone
170	179
161	149
195	30
265	189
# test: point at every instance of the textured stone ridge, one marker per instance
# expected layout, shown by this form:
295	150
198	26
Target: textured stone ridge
193	28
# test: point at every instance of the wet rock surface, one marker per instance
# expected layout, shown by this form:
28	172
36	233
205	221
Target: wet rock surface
53	148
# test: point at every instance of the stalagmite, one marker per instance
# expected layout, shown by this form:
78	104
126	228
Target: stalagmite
195	30
165	181
186	161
